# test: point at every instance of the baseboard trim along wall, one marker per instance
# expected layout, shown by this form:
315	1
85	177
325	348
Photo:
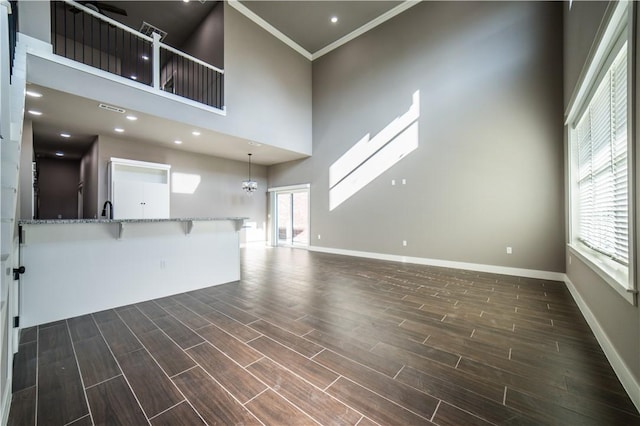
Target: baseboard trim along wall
504	270
630	384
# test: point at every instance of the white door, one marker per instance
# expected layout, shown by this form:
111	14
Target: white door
128	199
156	201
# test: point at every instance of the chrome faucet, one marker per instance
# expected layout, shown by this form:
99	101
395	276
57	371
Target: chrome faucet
104	209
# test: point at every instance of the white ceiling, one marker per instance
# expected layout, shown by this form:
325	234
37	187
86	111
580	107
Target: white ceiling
304	23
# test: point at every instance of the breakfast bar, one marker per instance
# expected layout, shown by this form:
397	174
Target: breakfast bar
78	266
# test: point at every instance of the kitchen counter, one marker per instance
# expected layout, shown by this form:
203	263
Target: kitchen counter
78	266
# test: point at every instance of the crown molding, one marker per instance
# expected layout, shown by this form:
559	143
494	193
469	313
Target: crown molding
236	4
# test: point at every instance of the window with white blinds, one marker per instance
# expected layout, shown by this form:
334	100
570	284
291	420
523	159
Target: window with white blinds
600	152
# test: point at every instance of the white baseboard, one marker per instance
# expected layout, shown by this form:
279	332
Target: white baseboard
629	382
504	270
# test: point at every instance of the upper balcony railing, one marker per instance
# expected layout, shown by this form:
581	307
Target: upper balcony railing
86	36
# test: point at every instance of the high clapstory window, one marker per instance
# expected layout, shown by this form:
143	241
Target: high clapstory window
600	167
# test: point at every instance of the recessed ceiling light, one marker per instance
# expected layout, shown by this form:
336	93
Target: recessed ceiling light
195	133
133	77
132	117
145	57
178	142
59	154
185	1
119	129
34	112
33	94
65	135
334	19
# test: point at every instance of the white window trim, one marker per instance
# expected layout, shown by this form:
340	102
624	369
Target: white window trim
621	278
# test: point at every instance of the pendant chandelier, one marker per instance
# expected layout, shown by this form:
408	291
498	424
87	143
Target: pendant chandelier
249	185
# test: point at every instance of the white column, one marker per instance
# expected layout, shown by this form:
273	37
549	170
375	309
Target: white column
156	60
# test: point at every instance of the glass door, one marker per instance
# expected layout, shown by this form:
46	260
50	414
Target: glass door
292	217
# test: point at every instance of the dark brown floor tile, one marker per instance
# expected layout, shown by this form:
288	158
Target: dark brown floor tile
233	312
82	421
152	387
179	333
95	360
138	322
528	381
302	366
448	415
406	396
180	415
50	324
290	340
234	378
272	409
29	334
118	337
60	393
457	393
231	326
54	344
373	405
548	412
593	388
317	404
23	408
344	347
417	356
210	400
112	403
171	358
239	351
25	366
105	316
152	310
186	316
83	327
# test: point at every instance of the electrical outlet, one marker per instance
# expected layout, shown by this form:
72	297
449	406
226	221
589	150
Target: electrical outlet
404	181
404	243
393	182
319	236
509	250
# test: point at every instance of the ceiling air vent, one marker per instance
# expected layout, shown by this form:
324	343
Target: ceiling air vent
148	29
112	108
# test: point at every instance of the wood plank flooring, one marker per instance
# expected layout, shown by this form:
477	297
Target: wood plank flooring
308	338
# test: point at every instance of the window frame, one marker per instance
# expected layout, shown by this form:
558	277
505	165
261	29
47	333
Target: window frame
610	39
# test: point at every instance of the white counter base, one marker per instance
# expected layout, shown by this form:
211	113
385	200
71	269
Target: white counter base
77	268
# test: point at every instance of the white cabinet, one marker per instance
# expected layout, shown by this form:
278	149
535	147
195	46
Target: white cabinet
139	190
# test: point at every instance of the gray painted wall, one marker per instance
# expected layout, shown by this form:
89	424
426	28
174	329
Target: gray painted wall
207	40
58	188
219	193
619	320
89	178
34	19
488	169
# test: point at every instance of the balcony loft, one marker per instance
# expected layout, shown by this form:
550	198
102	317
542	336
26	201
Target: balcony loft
87	36
215	71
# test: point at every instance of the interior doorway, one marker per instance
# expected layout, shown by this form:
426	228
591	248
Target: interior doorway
290	213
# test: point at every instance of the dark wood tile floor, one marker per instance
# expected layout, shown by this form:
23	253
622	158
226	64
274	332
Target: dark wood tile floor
309	338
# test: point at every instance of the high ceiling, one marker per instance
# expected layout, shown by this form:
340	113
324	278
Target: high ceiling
306	23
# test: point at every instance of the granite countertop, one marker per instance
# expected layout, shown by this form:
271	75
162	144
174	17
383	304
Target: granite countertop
73	221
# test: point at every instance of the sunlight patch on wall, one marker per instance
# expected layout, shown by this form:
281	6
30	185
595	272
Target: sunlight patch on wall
369	158
184	183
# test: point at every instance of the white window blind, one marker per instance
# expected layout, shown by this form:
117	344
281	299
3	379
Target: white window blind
601	149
